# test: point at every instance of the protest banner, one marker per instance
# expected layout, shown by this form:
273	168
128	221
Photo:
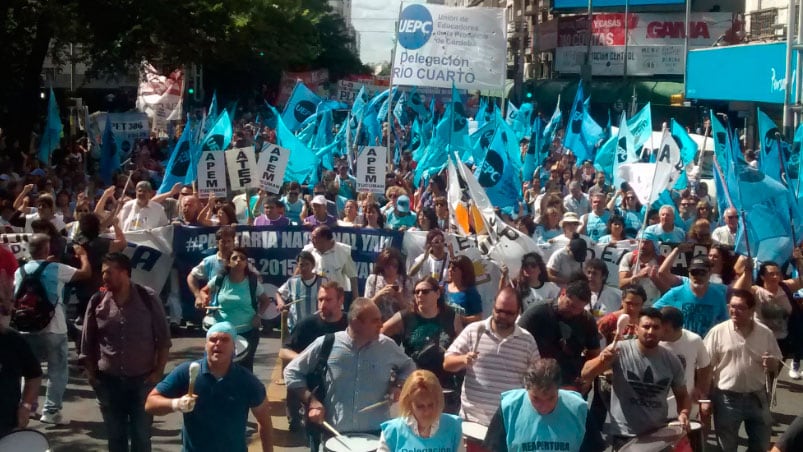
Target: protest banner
273	250
159	97
150	253
443	46
271	167
241	164
127	129
371	169
314	80
212	174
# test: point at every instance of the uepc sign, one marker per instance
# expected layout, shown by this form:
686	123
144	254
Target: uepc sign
415	27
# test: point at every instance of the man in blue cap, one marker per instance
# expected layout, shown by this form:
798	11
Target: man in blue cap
216	410
400	218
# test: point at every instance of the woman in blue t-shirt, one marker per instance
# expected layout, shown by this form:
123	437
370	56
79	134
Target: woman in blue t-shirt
240	297
462	290
422	425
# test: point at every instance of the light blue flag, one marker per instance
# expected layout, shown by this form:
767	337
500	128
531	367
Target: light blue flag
382	115
415	103
180	160
722	166
769	161
454	130
688	150
625	151
640	126
303	161
531	161
51	135
605	157
497	174
576	137
323	132
593	134
512	114
212	113
526	112
550	129
218	138
762	198
301	105
371	122
481	117
109	157
400	110
480	142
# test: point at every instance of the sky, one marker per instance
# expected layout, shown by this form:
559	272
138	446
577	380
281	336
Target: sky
374	20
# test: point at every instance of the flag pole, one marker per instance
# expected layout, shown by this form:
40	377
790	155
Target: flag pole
702	148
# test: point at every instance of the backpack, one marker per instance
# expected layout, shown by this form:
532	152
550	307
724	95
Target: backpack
33	311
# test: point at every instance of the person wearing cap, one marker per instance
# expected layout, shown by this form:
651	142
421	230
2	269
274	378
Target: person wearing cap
701	301
570	224
665	230
576	201
568	261
400	218
216	413
320	215
124	347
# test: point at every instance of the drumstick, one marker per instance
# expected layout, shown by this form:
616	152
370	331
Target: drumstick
194	369
293	302
374	405
480	332
621	324
336	433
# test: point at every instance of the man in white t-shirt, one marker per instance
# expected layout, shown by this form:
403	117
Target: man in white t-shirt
141	213
50	344
333	260
45	210
691	351
726	234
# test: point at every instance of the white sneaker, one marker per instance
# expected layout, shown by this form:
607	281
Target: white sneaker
794	373
51	417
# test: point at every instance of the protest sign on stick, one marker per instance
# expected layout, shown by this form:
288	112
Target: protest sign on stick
271	167
212	174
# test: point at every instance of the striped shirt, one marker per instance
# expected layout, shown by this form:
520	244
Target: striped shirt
500	366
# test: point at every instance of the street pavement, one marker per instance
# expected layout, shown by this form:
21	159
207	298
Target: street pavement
84	431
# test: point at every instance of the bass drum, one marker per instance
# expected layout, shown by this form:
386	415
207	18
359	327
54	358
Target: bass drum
24	441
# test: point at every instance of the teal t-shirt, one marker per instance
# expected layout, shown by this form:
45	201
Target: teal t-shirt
527	430
397	222
235	302
400	437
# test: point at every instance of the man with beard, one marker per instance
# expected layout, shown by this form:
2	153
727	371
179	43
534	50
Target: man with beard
495	353
643	374
701	301
565	331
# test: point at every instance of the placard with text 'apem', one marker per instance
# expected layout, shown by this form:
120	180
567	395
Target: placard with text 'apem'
441	46
242	167
212	174
271	167
371	169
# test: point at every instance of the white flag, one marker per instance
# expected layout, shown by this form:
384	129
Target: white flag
669	153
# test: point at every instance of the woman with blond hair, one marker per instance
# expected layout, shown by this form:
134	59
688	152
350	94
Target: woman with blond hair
422	425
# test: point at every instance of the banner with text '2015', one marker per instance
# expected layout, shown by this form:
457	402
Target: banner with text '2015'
441	46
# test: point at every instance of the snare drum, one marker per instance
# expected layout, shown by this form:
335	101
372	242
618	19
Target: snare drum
355	442
240	348
474	435
24	441
655	441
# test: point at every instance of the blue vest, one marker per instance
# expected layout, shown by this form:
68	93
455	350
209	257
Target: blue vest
527	431
400	438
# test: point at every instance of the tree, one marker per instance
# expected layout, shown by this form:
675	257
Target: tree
241	43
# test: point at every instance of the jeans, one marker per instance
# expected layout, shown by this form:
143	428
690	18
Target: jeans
122	404
51	347
731	408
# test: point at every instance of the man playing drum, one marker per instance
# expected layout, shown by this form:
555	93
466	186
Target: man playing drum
214	396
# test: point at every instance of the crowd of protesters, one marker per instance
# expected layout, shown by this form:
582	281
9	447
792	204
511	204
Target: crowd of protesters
703	345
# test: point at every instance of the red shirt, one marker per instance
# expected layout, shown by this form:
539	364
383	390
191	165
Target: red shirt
8	262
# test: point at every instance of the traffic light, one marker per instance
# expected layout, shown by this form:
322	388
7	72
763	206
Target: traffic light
529	95
191	90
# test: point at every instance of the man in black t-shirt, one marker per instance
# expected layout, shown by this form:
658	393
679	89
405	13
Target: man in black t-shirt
328	319
16	361
566	331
